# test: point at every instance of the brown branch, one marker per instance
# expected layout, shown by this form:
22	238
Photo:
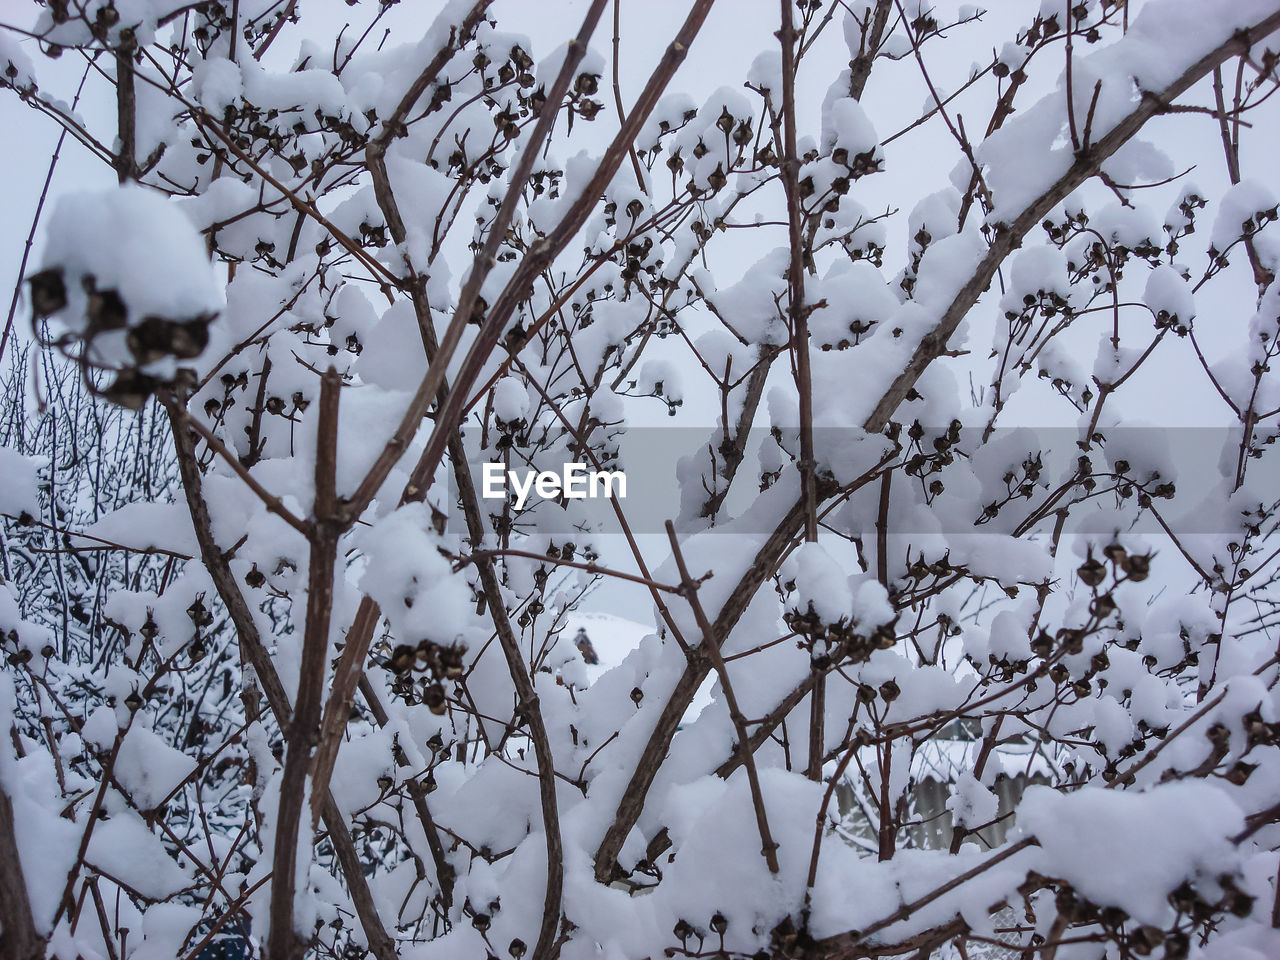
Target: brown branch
592	568
19	938
251	646
350	666
795	273
799	316
1231	149
284	942
860	66
767	724
617	92
529	709
126	113
732	454
845	944
655	749
711	647
444	870
351	663
433	386
275	30
183	419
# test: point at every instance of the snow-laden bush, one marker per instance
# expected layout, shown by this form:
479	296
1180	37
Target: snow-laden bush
282	676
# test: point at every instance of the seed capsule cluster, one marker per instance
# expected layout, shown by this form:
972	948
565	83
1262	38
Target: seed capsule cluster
435	662
149	340
838	642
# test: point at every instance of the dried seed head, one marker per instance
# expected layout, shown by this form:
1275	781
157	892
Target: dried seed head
48	292
434	699
1139	567
1091	572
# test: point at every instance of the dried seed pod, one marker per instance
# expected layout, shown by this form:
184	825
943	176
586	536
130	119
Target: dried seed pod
1091	572
1103	606
1139	567
521	59
885	636
106	311
1240	772
402	658
434	699
48	291
189	339
1115	553
130	389
1071	640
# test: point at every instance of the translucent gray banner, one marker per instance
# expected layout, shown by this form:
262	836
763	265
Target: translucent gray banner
945	480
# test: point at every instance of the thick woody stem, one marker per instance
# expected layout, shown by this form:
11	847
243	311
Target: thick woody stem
255	653
284	941
689	587
19	937
434	385
126	113
873	37
800	346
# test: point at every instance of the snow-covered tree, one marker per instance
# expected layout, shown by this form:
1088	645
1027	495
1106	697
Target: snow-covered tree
878	360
